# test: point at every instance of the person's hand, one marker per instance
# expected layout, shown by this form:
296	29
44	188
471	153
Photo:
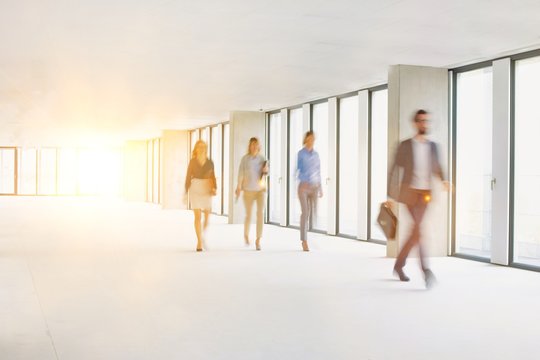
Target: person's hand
237	192
447	186
184	199
391	204
265	169
213	192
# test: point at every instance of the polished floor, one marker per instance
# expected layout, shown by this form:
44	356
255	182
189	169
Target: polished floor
89	279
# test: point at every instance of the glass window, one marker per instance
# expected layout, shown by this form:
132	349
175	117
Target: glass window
149	170
379	158
473	162
194	136
348	165
100	171
296	130
320	127
215	155
27	172
67	171
90	171
156	167
7	170
275	176
205	134
47	171
526	164
226	135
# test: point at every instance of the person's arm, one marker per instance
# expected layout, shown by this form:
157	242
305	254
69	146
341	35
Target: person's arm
266	167
188	176
241	175
390	189
299	165
213	178
437	168
319	171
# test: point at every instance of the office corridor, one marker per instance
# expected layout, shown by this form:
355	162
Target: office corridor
122	281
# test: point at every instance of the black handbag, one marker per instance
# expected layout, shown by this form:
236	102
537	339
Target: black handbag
387	221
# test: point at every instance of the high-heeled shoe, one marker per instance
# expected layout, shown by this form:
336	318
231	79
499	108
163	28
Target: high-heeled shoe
258	245
399	272
305	246
199	249
246	240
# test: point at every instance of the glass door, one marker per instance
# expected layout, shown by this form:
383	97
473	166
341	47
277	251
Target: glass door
8	165
320	127
27	172
47	171
149	170
295	145
215	155
275	176
526	164
473	157
379	158
156	171
348	165
226	164
67	171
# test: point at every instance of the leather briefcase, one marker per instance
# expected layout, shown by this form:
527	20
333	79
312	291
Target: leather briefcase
387	221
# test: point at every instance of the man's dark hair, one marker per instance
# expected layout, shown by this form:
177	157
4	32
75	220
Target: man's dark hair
419	112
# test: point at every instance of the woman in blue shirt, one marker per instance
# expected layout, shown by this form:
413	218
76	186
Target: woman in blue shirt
308	167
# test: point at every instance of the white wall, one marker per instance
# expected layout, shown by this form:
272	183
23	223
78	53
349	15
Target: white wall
411	88
244	125
174	163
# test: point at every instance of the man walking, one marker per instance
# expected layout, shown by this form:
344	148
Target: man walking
418	157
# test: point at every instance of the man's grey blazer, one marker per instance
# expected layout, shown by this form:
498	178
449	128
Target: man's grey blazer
401	190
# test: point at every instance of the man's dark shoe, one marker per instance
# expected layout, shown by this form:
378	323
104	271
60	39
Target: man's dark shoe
429	278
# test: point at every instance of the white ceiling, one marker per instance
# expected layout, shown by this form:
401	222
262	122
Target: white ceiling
124	68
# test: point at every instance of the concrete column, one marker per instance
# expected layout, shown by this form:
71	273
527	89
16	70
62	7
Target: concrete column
501	162
363	170
284	166
135	176
174	163
411	88
244	125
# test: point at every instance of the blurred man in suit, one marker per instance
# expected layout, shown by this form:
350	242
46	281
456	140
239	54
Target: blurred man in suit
418	158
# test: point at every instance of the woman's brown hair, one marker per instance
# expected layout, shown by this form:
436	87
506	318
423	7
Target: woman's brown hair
308	134
194	152
251	141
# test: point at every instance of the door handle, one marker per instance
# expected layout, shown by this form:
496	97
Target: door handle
493	182
279	180
327	180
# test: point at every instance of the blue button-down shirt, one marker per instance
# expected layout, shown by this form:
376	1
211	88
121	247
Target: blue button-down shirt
308	166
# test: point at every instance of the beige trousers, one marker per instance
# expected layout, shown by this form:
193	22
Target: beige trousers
249	198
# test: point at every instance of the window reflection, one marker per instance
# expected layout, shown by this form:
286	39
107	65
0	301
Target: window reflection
527	167
275	176
348	165
473	162
379	158
295	144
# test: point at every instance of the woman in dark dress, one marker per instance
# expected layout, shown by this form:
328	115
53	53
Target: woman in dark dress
201	186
